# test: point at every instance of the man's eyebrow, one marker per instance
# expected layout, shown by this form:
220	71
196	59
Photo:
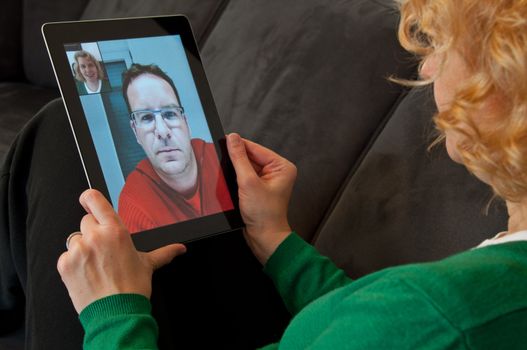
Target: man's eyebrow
151	109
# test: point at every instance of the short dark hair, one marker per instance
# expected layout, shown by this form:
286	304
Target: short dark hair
137	70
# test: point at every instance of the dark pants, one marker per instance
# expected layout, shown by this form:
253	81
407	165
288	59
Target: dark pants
215	296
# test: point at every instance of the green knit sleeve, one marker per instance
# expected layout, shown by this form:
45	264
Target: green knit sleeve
121	321
301	274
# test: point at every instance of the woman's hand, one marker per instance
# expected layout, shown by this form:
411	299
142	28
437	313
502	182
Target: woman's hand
265	182
103	260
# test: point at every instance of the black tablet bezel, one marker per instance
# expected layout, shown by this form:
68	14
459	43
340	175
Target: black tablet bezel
56	35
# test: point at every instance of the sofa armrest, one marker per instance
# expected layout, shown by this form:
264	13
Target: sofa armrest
11	40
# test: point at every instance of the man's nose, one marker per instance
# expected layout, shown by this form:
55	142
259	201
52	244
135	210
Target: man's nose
162	131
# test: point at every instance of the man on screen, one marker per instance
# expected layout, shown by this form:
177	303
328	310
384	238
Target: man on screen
180	178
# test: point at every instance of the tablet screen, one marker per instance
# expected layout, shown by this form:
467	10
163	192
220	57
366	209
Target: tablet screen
149	130
146	126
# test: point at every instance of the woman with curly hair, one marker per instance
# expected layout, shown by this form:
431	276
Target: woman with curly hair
89	74
474	52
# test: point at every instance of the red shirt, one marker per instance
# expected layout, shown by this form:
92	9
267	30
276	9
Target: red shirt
147	202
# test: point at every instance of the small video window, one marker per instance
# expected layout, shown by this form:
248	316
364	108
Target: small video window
87	68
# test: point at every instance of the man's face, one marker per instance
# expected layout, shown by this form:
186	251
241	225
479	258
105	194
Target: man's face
165	142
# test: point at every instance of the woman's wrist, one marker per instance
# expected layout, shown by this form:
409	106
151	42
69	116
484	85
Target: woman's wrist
115	304
264	244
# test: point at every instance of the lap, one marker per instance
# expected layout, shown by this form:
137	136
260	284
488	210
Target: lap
41	178
215	296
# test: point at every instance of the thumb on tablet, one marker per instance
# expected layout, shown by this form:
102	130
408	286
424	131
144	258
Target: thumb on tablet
240	160
162	256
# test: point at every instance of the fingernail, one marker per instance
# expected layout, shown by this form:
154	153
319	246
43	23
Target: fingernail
234	139
85	195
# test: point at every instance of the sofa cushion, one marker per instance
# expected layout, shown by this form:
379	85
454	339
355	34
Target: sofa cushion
405	204
37	66
309	81
202	15
10	44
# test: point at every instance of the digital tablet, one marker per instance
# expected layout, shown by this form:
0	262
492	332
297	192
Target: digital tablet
146	126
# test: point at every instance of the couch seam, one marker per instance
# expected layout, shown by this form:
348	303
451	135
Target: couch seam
212	23
357	164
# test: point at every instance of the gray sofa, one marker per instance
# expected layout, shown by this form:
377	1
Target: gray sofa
307	78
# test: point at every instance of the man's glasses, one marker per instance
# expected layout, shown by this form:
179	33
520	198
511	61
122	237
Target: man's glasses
145	118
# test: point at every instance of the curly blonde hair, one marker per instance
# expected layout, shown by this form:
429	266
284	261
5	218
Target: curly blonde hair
76	68
491	36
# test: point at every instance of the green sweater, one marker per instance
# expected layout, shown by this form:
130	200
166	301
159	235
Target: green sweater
473	300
